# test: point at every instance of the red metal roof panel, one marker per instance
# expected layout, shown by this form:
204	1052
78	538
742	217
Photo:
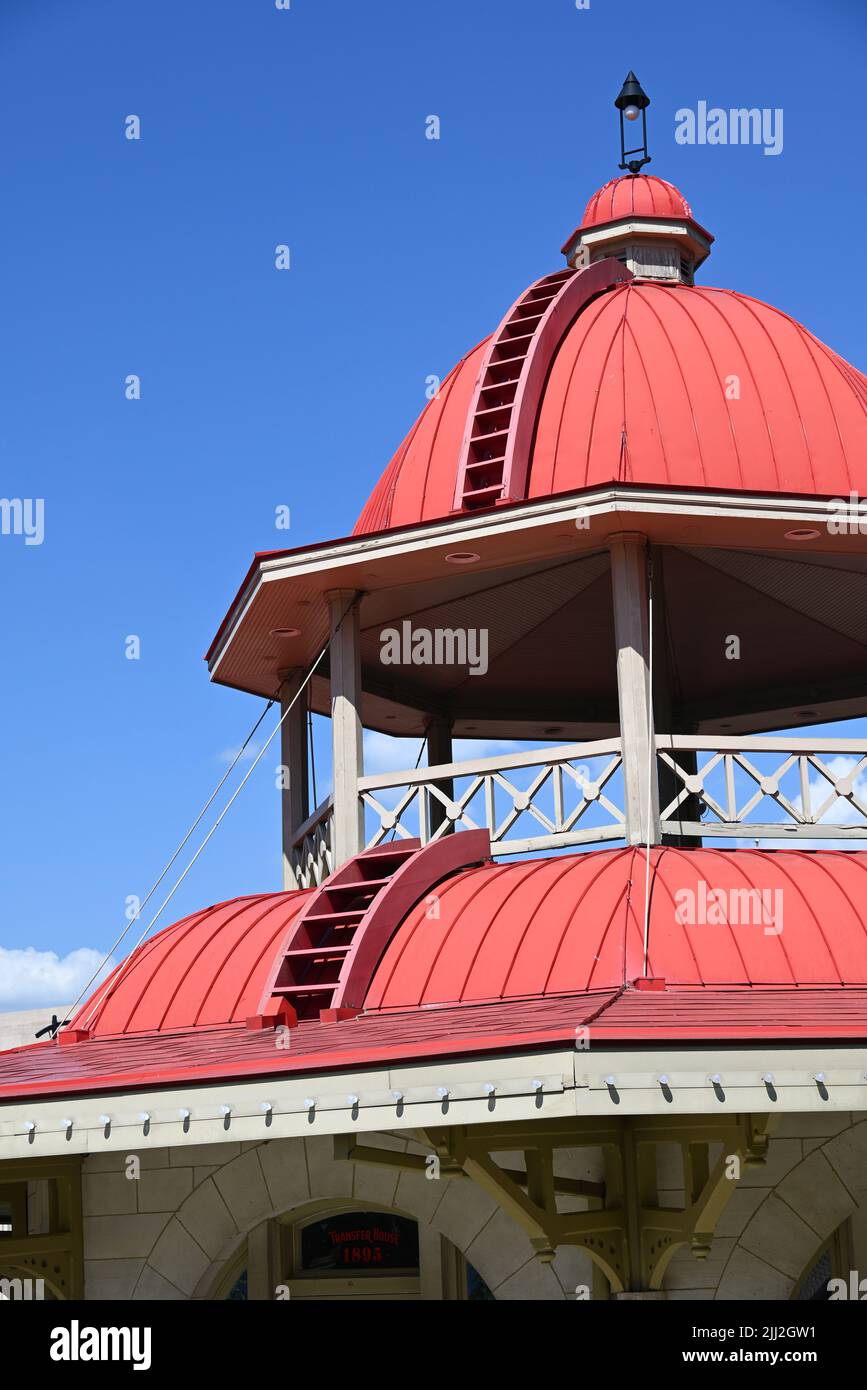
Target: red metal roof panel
209	968
576	922
200	1056
659	384
532	928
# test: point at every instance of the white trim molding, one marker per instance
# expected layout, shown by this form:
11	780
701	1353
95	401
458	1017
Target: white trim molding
540	1085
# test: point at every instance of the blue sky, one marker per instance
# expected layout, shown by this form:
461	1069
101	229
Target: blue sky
260	388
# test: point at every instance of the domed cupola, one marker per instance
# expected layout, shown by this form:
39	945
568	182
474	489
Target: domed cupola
618	423
647	224
639	219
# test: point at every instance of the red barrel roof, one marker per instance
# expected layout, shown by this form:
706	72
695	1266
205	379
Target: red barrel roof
529	929
209	968
576	923
520	956
381	1039
661	384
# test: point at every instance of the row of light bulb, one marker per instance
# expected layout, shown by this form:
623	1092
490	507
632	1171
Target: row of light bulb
266	1107
442	1093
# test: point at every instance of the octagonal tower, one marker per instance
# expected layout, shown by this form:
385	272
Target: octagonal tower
631	493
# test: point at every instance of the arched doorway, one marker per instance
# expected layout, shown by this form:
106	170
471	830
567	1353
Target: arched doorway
371	1255
41	1255
832	1262
803	1231
339	1252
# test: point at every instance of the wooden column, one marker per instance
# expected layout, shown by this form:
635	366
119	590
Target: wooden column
439	750
631	630
263	1262
664	714
295	794
346	741
431	1263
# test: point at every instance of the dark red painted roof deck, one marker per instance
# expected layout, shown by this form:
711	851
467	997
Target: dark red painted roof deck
520	956
615	1017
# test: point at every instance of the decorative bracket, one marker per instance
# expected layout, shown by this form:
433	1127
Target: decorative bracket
626	1233
56	1254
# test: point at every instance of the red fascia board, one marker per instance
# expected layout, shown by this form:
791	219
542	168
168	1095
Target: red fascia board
340	1060
305	549
345	1059
258	557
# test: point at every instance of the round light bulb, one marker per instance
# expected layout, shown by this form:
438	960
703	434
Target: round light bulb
631	113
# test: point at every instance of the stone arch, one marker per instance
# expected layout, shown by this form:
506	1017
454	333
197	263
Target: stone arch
796	1218
20	1270
281	1176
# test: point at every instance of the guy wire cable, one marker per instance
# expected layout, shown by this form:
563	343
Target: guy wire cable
155	885
312	756
650	754
114	979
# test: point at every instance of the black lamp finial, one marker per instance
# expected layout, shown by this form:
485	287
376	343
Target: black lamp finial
631	102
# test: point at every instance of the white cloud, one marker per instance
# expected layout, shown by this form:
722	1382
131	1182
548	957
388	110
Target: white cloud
469	748
840	812
382	753
31	979
229	755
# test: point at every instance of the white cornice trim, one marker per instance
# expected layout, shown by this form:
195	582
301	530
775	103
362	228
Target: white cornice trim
632	503
636	226
556	1084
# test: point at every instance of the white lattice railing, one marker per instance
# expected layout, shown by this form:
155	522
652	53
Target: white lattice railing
311	853
552	798
542	799
766	788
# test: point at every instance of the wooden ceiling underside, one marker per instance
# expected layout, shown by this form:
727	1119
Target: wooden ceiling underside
800	621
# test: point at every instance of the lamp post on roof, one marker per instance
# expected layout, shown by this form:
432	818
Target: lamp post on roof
632	102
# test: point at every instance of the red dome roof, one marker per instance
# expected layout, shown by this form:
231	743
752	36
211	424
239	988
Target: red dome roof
658	383
576	923
206	970
641	195
529	929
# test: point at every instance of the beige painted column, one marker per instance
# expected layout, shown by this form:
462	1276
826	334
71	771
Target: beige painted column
295	795
668	784
858	1241
631	630
346	739
431	1271
263	1262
